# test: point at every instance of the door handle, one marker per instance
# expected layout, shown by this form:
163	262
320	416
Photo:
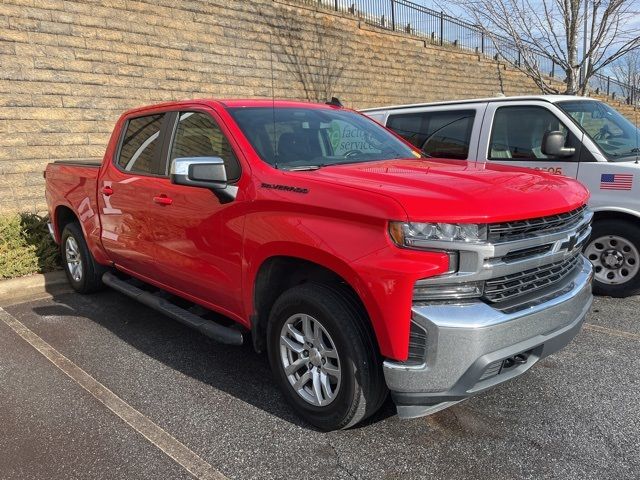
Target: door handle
107	191
163	200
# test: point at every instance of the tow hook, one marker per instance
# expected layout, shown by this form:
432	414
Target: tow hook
519	359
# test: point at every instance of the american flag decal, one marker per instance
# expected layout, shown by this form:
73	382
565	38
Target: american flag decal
616	181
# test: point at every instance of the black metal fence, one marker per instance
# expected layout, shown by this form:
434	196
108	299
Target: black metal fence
612	87
441	29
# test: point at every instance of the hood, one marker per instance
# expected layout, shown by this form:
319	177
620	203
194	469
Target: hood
459	191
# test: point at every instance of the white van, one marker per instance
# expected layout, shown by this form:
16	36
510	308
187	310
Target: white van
579	137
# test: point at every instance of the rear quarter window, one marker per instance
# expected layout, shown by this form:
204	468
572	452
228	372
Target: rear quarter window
442	134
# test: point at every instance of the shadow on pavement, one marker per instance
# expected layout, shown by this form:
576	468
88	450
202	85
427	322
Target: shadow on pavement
238	371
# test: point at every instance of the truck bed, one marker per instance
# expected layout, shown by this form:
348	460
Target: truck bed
82	163
72	184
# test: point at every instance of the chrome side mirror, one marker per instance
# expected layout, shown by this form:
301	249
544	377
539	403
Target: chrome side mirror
204	172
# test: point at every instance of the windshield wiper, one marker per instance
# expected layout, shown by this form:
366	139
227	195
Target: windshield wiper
630	153
304	168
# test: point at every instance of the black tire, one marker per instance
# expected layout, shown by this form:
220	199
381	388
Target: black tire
91	271
362	389
631	233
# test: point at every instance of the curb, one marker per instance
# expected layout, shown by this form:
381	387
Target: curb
31	285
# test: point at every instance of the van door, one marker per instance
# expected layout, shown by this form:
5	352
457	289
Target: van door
513	133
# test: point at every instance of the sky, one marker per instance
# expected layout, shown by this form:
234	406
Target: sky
633	18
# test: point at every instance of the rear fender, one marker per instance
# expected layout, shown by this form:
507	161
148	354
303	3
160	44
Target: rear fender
84	210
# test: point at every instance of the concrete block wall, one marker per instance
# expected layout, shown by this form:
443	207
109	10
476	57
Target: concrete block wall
70	67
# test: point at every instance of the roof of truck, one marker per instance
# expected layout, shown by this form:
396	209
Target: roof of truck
267	102
544	98
230	103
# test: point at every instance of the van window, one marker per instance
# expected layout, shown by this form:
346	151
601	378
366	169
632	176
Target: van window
518	131
616	136
140	149
443	134
198	135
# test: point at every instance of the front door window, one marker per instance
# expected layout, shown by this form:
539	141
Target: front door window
518	133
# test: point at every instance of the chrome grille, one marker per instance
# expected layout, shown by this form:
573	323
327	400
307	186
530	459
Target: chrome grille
507	231
521	283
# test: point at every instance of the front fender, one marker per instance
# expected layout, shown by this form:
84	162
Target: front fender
383	280
328	261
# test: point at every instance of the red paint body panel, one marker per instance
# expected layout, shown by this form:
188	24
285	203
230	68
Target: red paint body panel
211	252
459	191
74	187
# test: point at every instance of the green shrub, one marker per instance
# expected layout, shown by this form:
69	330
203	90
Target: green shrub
26	246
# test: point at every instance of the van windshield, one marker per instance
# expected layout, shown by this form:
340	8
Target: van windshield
301	138
616	136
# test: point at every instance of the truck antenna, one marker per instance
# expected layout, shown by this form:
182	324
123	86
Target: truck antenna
273	101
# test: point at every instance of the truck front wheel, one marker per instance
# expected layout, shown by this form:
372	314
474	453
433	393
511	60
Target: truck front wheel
614	251
83	272
324	356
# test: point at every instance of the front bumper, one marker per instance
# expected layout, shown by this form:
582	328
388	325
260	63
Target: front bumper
467	345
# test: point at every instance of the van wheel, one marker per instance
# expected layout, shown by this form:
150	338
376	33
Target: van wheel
83	272
614	251
324	356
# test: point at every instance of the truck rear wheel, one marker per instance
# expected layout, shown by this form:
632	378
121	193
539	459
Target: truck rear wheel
83	272
324	356
614	251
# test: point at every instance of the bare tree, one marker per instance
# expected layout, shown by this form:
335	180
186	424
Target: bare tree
552	31
315	56
627	71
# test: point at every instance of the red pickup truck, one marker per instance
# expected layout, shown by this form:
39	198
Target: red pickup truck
357	263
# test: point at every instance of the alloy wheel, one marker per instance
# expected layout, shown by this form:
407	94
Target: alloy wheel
310	360
73	258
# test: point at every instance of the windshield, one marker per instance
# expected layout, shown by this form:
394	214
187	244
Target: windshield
616	136
298	138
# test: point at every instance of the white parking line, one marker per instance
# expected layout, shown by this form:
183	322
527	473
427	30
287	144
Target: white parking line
136	420
612	331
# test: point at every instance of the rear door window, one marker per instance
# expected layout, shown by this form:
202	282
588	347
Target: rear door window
442	134
140	148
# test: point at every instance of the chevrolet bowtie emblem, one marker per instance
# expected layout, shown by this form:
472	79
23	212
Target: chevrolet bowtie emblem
570	244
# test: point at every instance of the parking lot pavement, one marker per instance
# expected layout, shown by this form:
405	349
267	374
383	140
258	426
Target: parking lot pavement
574	415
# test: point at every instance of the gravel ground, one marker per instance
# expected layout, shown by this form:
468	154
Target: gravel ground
574	415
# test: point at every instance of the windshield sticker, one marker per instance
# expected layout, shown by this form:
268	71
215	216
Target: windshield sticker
616	181
346	137
334	134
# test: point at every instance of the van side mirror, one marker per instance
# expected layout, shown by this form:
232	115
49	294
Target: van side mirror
205	172
553	145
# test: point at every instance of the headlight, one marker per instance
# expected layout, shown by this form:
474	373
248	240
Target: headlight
423	291
416	235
